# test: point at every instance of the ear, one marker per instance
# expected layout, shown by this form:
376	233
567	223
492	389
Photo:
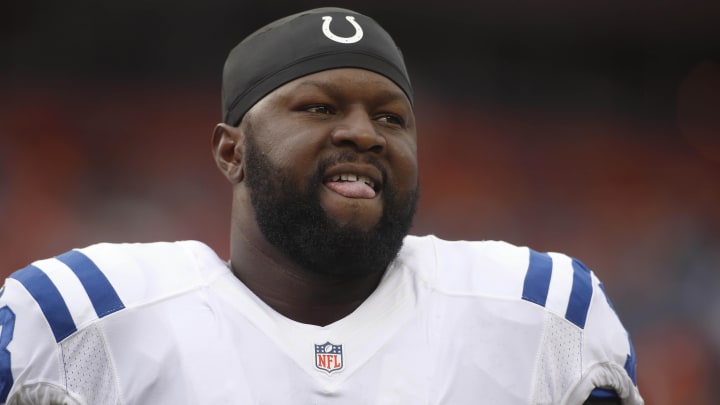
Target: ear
227	144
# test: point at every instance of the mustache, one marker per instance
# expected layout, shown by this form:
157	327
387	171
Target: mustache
351	157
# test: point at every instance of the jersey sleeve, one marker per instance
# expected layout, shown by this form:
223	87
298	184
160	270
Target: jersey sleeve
609	362
48	313
54	314
29	354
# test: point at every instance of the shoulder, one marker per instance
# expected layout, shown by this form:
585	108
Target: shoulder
568	294
82	285
490	268
432	254
44	305
555	281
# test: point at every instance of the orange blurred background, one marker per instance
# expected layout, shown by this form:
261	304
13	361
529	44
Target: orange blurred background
588	129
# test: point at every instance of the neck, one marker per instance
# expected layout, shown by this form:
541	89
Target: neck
296	293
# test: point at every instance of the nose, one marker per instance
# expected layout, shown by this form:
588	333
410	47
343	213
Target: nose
357	130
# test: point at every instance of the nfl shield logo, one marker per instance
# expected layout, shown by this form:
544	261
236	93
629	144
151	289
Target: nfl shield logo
329	357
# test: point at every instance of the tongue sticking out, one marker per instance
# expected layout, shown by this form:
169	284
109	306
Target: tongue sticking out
351	189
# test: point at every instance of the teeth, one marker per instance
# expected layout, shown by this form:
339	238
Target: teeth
353	177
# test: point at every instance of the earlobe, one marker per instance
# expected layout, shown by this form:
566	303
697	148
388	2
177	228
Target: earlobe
227	147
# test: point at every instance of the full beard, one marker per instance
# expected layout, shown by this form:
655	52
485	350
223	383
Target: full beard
293	221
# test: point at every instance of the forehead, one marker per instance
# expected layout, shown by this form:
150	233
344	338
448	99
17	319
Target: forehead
358	82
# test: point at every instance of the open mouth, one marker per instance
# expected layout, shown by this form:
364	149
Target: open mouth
353	178
353	183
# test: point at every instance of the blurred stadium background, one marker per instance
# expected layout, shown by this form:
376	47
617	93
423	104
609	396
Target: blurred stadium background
591	128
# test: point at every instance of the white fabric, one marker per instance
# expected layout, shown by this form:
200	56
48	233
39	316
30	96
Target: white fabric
87	370
43	394
447	325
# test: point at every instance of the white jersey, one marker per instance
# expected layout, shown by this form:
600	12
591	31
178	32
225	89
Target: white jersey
450	323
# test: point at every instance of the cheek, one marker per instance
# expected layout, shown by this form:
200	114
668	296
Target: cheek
405	164
302	158
290	153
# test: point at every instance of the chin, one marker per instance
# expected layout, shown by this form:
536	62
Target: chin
359	214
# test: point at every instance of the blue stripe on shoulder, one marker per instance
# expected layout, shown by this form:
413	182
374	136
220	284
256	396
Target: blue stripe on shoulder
580	294
102	294
631	362
52	304
537	278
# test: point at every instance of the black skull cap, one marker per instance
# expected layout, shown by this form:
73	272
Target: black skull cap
302	44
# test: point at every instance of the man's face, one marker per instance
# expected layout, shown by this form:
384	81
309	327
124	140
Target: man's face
331	168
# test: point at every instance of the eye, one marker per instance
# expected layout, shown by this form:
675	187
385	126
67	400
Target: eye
320	109
392	119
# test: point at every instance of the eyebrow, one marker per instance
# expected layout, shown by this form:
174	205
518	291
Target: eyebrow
383	96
